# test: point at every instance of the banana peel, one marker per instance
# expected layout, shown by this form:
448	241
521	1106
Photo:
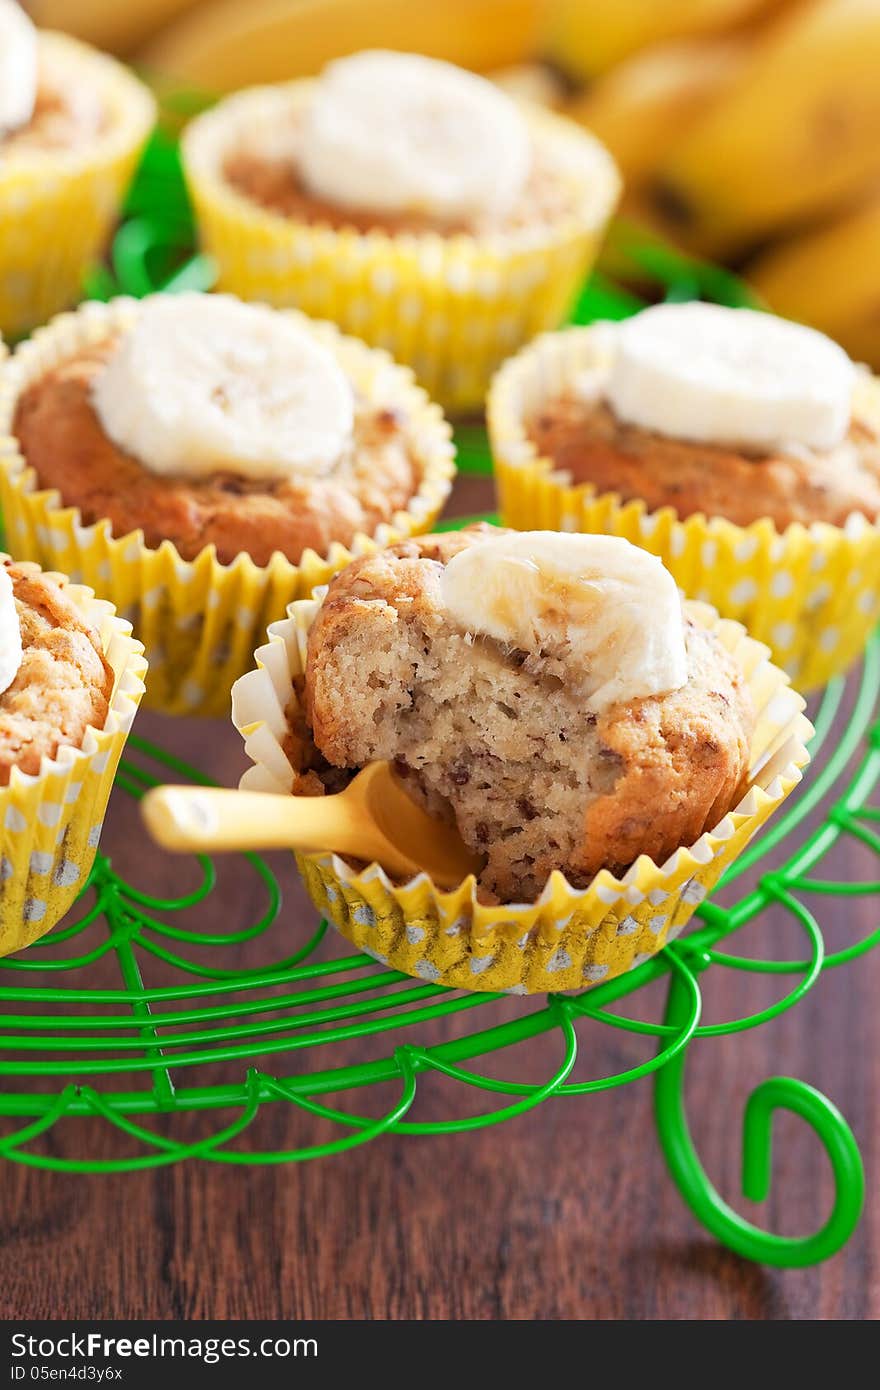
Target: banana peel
588	37
226	44
117	28
646	105
829	277
796	136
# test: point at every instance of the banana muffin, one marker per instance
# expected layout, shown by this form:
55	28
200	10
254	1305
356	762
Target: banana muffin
55	681
547	692
216	423
51	108
334	157
633	425
413	203
73	122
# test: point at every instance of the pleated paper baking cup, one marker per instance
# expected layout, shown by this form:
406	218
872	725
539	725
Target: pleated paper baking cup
812	593
451	307
58	207
198	619
50	821
569	937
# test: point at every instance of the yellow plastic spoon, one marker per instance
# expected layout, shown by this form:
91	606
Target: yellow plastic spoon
374	818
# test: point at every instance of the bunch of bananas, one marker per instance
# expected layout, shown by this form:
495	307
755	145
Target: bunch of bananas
219	45
745	129
751	132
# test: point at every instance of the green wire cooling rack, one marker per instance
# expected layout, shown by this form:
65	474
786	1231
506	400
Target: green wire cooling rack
189	1036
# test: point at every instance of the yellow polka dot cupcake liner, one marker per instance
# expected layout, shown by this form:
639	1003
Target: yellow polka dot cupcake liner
50	821
198	619
812	593
59	207
452	307
571	936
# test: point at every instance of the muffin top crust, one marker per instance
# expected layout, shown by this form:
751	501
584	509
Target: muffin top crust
143	455
63	683
400	144
502	741
728	413
586	440
273	179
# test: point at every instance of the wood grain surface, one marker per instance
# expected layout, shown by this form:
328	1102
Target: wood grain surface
564	1213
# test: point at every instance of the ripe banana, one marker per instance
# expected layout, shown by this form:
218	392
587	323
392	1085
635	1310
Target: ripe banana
204	383
797	134
227	44
587	37
830	278
643	107
118	28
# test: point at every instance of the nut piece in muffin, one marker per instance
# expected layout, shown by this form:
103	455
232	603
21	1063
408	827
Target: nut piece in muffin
724	412
210	422
55	681
545	691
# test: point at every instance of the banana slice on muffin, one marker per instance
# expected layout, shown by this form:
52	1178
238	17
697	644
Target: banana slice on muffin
547	691
727	412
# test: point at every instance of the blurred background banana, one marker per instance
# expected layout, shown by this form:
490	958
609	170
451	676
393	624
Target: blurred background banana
117	28
648	103
796	134
224	44
745	129
587	37
830	277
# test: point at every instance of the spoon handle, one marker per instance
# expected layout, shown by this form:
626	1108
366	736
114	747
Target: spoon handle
214	818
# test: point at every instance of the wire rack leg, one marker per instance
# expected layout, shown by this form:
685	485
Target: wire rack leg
781	1092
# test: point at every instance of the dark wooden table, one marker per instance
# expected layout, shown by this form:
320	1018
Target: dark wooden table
567	1212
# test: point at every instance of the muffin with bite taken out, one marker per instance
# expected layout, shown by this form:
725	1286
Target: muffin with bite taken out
546	691
593	739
